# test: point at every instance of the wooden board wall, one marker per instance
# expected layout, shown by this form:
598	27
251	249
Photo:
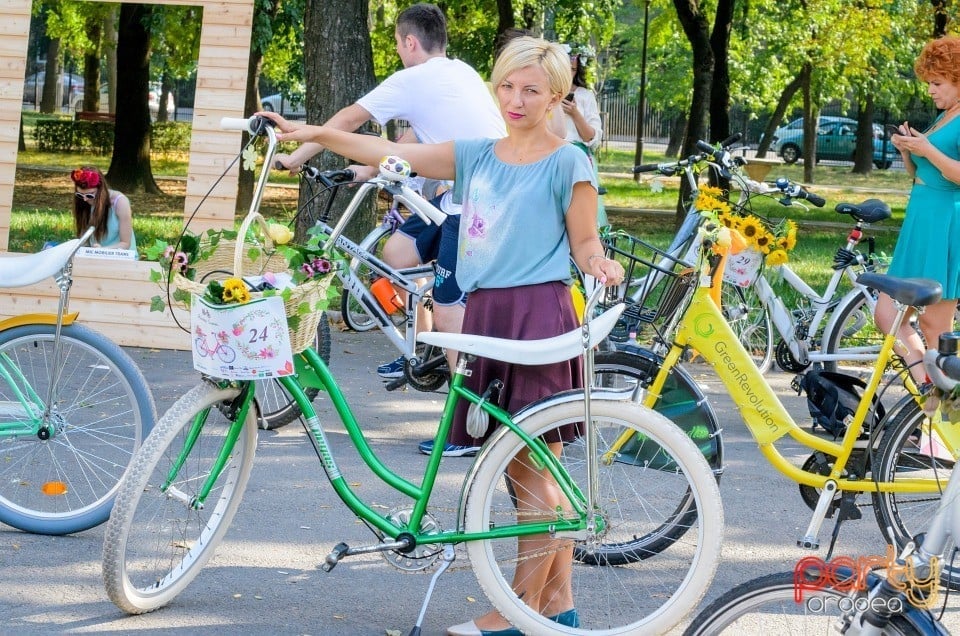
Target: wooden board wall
114	296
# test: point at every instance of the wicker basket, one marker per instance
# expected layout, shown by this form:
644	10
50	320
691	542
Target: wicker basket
238	258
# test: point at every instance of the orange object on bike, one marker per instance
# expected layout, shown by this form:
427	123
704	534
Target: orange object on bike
386	295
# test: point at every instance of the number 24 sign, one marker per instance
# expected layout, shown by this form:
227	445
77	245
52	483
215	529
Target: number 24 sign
241	342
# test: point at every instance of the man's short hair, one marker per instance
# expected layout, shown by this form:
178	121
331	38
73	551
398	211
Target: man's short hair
425	22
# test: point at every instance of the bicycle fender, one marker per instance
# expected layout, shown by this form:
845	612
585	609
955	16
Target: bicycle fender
563	397
36	319
848	298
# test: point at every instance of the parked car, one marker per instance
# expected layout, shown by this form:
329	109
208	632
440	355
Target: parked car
33	87
153	100
836	139
293	106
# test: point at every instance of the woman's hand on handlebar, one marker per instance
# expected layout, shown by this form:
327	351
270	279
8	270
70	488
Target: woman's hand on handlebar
363	173
282	161
287	130
606	270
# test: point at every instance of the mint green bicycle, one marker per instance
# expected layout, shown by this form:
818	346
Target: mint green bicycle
186	483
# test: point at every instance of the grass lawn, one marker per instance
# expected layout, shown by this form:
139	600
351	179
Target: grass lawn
42	202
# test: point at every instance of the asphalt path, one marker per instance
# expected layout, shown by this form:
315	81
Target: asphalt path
265	577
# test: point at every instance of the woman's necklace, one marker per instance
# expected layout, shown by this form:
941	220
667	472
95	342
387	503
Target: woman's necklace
945	118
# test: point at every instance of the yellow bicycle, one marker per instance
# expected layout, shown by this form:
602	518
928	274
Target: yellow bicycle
880	460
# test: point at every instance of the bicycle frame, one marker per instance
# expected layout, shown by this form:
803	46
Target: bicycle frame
786	325
31	413
313	372
704	328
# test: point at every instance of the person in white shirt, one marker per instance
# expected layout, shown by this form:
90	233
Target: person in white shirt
442	100
582	113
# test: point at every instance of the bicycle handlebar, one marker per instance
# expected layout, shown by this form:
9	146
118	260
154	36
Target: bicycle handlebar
792	190
943	364
719	154
253	125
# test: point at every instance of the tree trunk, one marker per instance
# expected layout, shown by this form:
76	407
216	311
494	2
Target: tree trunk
777	116
675	141
130	165
91	67
338	69
50	94
697	31
720	87
940	17
110	53
504	16
811	117
863	154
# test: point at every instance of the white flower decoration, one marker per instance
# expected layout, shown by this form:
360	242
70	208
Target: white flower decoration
249	158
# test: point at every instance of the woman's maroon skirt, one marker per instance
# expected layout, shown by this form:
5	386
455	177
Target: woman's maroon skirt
530	312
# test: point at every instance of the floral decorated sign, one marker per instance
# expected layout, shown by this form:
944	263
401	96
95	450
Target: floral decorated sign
245	341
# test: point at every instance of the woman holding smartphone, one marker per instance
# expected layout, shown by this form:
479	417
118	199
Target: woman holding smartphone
582	113
929	241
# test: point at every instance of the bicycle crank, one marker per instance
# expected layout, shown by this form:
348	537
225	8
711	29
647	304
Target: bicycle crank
786	361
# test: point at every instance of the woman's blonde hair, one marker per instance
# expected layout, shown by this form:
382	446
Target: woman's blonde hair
527	51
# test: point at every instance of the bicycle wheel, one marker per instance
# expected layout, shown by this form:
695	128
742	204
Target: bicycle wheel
352	311
850	331
766	605
911	450
647	596
155	541
751	322
682	402
102	411
275	407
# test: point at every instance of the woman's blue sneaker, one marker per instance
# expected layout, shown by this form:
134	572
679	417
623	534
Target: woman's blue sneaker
449	450
392	370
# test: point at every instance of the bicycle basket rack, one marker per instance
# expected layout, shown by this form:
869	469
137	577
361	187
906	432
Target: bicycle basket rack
654	284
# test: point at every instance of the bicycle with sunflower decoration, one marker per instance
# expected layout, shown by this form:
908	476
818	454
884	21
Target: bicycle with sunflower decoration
760	311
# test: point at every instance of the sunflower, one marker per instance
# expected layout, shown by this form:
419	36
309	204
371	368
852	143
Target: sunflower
235	291
707	202
763	240
750	228
775	258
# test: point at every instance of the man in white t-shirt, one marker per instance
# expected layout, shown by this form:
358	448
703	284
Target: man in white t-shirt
442	100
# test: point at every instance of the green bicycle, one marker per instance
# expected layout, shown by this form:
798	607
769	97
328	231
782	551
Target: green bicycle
186	483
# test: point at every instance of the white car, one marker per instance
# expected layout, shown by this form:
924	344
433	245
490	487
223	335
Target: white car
294	107
153	100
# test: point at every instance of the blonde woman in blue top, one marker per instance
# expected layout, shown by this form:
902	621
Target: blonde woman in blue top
529	204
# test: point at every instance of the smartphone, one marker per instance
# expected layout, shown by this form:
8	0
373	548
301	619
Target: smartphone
569	97
894	130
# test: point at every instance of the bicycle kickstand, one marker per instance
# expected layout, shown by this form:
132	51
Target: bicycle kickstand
449	554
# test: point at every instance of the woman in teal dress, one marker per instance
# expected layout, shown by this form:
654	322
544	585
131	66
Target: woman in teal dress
929	241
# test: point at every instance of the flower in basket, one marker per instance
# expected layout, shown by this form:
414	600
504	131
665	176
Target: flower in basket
774	241
203	264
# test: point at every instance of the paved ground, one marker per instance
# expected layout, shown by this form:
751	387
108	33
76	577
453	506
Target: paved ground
265	580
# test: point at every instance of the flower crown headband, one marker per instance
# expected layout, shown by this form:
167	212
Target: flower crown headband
85	178
584	51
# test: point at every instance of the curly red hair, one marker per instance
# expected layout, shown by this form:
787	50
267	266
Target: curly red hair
939	59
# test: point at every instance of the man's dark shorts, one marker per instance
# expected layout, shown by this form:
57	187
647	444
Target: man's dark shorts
438	244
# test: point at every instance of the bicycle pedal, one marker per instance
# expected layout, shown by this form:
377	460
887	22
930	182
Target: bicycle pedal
339	551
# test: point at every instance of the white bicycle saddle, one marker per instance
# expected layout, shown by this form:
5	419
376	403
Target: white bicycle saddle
20	271
528	352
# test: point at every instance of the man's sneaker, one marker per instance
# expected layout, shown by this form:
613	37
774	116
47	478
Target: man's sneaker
392	370
449	450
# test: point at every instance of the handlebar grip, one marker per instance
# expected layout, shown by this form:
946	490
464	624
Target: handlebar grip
237	123
814	199
647	167
950	365
732	139
703	146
